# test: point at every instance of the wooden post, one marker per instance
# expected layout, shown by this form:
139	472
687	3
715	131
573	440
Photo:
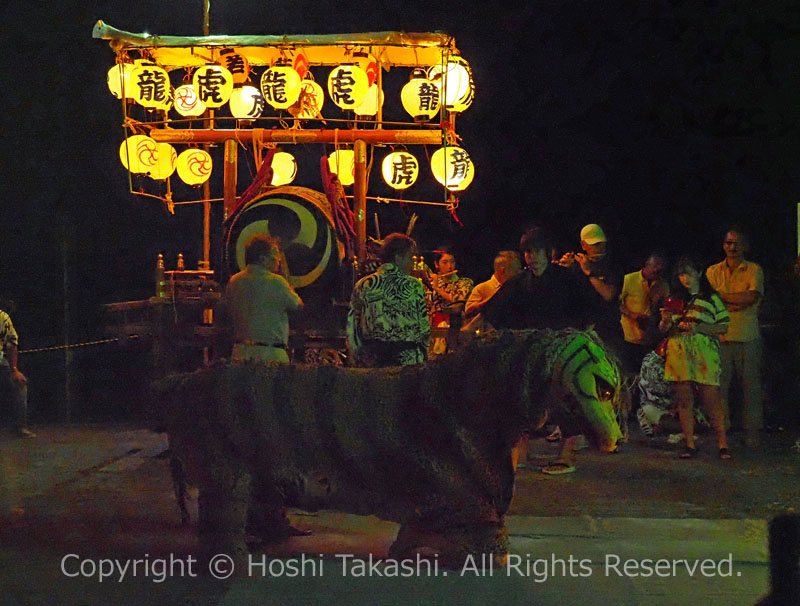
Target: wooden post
230	176
360	196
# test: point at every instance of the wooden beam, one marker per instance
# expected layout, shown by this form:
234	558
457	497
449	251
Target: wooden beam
292	136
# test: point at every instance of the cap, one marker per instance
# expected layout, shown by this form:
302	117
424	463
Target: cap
592	234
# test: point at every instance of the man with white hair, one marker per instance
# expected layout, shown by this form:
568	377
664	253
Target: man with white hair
506	265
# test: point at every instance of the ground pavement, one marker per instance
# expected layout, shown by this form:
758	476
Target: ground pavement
640	527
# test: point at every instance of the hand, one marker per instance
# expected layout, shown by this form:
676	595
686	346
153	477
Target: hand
585	263
567	259
18	377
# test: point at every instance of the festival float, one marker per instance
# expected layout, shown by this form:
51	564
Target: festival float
241	115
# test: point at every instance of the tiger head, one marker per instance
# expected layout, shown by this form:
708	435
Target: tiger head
585	389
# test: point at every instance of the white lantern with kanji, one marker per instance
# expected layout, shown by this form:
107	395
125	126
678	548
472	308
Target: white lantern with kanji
420	97
343	164
119	80
187	103
451	166
166	157
150	85
347	86
213	85
373	101
455	82
284	168
138	154
309	101
400	170
280	85
246	103
236	63
194	166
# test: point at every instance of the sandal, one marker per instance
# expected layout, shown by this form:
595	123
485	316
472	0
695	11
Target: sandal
724	454
688	453
557	469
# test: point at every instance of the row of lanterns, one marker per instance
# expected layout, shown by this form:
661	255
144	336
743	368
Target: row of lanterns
451	166
352	87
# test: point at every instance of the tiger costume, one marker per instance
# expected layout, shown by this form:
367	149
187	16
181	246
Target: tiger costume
426	445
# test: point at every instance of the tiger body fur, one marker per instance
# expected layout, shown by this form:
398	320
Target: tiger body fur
427	445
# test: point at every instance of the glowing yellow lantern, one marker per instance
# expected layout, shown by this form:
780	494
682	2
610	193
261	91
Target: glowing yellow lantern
284	168
467	180
166	103
420	96
372	102
454	80
343	163
246	103
213	85
150	85
187	102
193	166
347	86
119	80
138	154
280	85
309	101
400	170
166	156
451	166
236	63
368	63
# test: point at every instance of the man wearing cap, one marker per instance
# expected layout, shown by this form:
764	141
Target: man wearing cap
740	283
603	283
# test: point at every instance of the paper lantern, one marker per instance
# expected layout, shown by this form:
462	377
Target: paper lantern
246	103
187	102
166	103
300	65
284	168
420	97
467	179
343	163
119	80
236	63
150	85
280	85
213	85
193	166
347	86
455	82
400	170
451	166
309	101
138	154
166	157
369	64
372	102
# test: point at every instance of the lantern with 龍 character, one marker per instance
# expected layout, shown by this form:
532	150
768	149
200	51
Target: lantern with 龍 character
451	166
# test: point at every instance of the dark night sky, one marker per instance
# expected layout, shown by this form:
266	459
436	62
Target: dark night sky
663	121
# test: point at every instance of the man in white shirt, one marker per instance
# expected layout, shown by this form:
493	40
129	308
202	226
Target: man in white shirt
256	302
506	265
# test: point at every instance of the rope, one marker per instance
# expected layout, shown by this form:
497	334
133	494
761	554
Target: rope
72	345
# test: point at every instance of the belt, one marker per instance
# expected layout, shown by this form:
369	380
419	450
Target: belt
262	344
